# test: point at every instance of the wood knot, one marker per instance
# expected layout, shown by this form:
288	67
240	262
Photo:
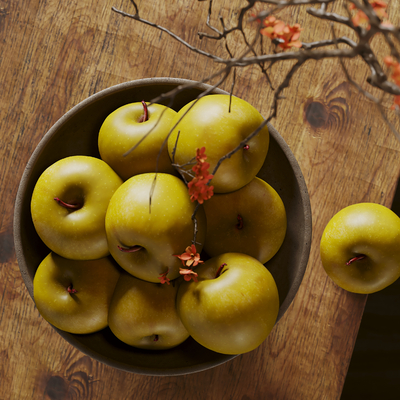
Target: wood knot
56	388
315	113
6	246
329	111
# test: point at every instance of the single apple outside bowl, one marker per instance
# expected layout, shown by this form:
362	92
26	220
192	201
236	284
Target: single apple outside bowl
76	133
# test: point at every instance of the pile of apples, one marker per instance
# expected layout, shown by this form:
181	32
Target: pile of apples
115	227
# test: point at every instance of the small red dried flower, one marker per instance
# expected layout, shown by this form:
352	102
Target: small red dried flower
379	7
395	69
163	277
199	189
290	36
396	102
190	257
188	274
360	17
395	65
201	155
272	26
276	29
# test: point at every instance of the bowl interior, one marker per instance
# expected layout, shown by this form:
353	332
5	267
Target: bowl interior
76	134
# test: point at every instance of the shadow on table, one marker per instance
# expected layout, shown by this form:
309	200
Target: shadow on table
374	372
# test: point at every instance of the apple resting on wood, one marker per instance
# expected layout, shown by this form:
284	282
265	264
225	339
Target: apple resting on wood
232	307
73	295
143	238
125	128
360	248
69	204
212	122
143	314
251	220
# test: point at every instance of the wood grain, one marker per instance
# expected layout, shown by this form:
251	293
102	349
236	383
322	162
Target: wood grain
54	54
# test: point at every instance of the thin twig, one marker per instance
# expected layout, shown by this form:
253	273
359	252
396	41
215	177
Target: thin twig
173	35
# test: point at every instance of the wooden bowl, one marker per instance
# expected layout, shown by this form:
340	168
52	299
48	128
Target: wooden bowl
76	134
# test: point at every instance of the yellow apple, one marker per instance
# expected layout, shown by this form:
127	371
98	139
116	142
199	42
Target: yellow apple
251	220
220	127
125	127
143	314
69	204
232	307
360	248
144	238
75	295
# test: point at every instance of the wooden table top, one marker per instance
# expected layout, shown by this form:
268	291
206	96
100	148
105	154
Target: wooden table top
55	54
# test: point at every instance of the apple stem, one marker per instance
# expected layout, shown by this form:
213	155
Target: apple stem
74	206
131	249
156	338
71	290
145	116
358	258
240	223
246	147
219	270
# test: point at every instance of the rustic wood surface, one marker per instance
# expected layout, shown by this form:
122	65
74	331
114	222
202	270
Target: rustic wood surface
53	54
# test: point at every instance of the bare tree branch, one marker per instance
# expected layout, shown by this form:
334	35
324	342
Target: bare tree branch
254	54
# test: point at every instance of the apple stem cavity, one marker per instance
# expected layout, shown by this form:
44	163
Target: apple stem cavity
131	249
240	223
357	258
145	116
71	290
219	270
73	206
